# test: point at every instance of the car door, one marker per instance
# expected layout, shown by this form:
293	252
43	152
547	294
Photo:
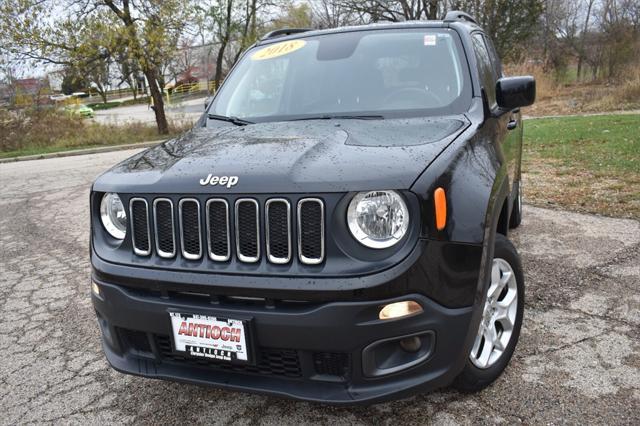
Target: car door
513	142
504	124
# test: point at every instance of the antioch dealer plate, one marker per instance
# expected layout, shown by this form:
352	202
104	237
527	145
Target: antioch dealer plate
205	336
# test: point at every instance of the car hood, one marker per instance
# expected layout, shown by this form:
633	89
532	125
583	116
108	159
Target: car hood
293	156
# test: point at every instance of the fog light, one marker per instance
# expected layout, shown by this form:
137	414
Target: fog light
411	344
95	288
399	310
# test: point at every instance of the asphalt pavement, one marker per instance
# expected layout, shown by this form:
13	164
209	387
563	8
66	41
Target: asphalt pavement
186	111
578	360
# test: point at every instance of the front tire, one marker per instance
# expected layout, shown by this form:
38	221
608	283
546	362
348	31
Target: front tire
499	328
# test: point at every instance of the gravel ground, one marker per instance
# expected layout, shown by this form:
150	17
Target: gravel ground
578	360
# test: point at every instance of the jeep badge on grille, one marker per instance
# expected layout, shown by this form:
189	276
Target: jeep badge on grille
229	181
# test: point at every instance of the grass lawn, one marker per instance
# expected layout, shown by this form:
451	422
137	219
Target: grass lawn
62	148
589	164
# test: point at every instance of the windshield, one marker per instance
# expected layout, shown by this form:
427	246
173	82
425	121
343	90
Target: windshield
387	73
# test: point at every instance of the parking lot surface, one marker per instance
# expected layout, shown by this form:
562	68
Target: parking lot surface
578	360
179	112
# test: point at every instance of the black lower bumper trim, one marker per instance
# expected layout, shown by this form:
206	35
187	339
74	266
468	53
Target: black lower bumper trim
319	355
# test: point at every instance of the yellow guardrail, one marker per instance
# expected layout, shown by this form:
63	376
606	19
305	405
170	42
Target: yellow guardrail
186	89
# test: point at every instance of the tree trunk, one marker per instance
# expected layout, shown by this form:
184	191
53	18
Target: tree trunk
583	37
219	61
579	68
432	10
224	40
158	102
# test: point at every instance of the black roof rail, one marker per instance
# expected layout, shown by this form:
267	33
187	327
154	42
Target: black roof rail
284	32
458	15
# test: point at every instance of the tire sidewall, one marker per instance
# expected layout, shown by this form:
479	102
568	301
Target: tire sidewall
516	213
473	378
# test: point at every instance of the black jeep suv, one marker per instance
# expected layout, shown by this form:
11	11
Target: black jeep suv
333	229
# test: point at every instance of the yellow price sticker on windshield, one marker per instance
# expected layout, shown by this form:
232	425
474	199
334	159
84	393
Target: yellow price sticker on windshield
278	49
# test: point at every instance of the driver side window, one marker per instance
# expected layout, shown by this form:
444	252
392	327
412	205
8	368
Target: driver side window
485	69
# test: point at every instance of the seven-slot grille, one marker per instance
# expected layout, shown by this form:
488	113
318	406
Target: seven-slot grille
205	230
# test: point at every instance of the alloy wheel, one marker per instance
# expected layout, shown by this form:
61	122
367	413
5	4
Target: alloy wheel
498	317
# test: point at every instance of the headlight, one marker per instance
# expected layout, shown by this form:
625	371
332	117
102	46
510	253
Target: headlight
113	215
378	219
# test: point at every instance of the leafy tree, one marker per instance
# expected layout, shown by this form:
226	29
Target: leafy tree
127	69
72	82
83	33
509	23
230	25
293	16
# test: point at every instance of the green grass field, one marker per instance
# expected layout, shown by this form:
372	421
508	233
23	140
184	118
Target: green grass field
589	164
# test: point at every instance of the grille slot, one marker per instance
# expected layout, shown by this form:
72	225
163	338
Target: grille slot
311	231
247	230
139	210
218	229
164	226
331	363
271	362
278	230
189	211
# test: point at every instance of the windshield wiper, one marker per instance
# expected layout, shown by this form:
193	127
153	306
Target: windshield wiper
235	120
341	117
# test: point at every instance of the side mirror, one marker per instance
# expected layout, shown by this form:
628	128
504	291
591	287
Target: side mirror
516	92
207	102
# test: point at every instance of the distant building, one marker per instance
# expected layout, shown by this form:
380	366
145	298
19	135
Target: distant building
29	91
32	86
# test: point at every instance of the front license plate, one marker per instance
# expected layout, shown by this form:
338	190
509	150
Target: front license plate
205	336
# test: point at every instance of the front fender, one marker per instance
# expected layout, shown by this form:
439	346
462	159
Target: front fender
474	175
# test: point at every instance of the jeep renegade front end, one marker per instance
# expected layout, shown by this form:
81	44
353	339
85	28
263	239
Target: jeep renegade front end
333	229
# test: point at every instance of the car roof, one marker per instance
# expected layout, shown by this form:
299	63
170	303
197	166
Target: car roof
293	33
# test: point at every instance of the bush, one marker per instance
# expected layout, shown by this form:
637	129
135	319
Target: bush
35	128
114	104
140	100
101	105
546	84
31	131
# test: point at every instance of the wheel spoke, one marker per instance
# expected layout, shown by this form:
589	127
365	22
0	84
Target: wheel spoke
495	273
502	316
494	290
487	348
506	276
499	345
476	344
491	334
509	299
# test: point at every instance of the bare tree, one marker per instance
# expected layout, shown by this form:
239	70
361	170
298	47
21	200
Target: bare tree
583	38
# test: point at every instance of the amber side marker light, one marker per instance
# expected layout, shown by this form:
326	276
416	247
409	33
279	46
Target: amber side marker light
399	310
440	201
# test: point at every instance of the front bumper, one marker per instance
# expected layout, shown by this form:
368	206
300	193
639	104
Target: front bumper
311	351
